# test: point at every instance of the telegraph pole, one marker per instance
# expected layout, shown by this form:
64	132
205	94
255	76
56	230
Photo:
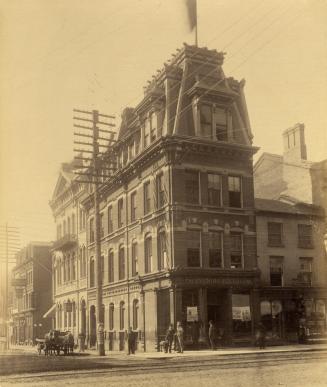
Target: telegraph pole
8	247
97	170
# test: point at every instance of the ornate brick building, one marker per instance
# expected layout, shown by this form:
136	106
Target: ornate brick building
178	234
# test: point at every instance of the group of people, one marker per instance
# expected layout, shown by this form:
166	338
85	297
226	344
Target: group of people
178	336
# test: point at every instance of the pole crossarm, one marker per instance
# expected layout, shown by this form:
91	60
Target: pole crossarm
83	134
82	150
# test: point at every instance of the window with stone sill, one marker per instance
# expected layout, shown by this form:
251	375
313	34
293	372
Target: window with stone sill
215	249
148	254
234	191
120	212
276	271
236	252
147	197
92	230
135	268
133	206
192	187
305	236
110	221
275	234
193	248
305	274
111	266
214	189
121	263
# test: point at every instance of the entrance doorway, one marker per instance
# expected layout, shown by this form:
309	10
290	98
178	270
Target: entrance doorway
83	318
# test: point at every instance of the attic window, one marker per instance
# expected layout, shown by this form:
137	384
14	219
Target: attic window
220	124
206	121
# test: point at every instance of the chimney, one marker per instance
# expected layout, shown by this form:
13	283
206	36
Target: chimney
294	143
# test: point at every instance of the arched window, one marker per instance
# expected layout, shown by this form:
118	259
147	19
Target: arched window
65	268
135	268
92	273
148	253
64	227
111	316
68	225
122	315
121	267
73	264
84	261
74	314
68	268
111	266
162	250
135	315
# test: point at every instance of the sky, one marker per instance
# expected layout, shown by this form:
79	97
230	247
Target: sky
57	55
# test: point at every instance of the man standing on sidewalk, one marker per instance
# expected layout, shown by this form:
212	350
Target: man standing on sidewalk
180	337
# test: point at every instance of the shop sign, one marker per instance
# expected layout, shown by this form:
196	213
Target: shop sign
218	281
192	313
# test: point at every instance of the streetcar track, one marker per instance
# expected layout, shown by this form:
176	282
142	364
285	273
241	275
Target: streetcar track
165	367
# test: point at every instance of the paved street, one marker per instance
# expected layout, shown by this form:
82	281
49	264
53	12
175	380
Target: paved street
298	373
288	366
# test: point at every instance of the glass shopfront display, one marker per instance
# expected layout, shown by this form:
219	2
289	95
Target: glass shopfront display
271	317
315	318
242	326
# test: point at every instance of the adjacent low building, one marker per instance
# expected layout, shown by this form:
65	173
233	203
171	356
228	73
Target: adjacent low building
292	262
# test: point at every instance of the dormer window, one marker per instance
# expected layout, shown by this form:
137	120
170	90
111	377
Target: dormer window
146	133
214	122
153	126
206	121
220	124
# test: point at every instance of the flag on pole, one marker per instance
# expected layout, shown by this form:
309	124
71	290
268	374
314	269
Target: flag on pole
192	17
191	8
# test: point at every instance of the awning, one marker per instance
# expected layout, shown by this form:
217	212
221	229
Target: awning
50	312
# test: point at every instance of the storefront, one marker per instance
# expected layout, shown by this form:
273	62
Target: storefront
284	311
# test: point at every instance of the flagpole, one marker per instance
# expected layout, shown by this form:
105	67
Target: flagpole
196	23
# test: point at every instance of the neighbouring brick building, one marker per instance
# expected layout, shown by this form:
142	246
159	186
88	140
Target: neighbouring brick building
178	233
69	255
31	282
292	261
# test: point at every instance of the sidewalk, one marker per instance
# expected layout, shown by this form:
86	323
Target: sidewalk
192	353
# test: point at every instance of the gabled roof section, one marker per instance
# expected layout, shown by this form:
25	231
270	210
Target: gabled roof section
271	157
127	118
65	178
297	208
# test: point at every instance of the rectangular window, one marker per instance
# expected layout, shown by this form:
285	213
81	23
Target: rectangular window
110	222
193	248
305	274
131	150
275	234
91	230
206	121
137	143
305	236
102	225
214	189
276	271
133	206
134	259
111	267
215	250
220	124
120	212
236	253
234	191
160	191
192	187
147	198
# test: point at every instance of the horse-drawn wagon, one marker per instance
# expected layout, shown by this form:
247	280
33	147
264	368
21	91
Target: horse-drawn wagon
56	341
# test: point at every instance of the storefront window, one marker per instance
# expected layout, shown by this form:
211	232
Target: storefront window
241	315
271	317
315	316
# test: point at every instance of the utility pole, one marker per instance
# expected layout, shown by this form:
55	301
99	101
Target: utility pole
94	170
9	246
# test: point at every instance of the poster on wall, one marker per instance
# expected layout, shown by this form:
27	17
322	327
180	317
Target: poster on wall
241	313
192	313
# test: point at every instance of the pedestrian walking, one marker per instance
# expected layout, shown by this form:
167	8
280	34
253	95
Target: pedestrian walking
212	335
169	338
180	337
262	336
130	341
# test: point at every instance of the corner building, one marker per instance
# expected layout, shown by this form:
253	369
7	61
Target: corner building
177	216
